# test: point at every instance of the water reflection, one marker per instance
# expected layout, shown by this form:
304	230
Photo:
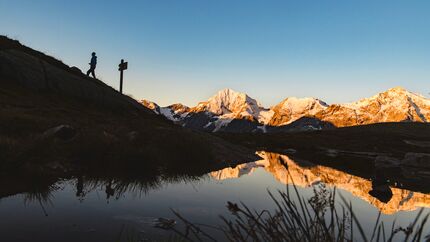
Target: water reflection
78	204
116	188
387	198
307	174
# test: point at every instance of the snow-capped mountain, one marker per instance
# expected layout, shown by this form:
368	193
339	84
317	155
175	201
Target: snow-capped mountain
174	112
179	108
151	105
232	111
226	109
229	104
393	105
292	108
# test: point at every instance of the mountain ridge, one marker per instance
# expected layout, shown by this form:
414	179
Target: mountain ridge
393	105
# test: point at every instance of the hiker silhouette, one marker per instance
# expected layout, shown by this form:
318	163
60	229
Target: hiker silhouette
93	65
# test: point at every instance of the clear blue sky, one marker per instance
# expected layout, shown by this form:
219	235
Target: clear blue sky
186	50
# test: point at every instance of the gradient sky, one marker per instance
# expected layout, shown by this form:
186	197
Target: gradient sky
186	50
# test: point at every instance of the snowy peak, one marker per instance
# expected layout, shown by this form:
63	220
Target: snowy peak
174	112
298	104
232	111
396	94
393	105
179	108
292	108
230	104
151	105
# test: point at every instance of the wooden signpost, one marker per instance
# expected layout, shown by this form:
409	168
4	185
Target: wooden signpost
121	67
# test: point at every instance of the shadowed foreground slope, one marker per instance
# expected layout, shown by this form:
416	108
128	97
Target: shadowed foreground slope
96	126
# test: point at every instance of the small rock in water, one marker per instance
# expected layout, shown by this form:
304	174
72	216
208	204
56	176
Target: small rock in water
164	223
381	192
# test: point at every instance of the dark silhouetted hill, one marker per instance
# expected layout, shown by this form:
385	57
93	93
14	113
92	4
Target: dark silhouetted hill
54	119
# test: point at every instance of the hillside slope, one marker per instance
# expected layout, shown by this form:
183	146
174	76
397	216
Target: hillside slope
55	119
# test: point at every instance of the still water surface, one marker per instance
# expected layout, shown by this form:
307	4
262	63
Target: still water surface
88	210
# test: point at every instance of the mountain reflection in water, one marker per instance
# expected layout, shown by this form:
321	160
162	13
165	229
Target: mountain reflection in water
306	174
95	206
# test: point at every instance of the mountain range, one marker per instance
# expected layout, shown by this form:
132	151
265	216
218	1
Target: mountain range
231	111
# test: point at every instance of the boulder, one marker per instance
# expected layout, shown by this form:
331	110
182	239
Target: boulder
381	192
76	70
62	132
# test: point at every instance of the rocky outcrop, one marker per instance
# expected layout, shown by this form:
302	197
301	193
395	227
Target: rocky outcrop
179	108
61	132
301	124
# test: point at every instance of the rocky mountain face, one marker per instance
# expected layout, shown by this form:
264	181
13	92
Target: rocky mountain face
231	111
151	105
228	104
306	174
225	111
292	108
173	112
393	105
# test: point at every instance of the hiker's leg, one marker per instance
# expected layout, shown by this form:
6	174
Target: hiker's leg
93	73
88	72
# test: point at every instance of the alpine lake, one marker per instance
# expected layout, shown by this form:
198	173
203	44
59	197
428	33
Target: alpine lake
86	208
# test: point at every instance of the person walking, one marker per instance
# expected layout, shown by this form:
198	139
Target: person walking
93	65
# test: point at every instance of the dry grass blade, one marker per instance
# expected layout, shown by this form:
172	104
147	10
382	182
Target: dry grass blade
304	220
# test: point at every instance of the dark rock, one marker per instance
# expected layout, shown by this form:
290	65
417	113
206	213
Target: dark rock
62	132
76	70
382	192
302	124
132	136
240	126
199	121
